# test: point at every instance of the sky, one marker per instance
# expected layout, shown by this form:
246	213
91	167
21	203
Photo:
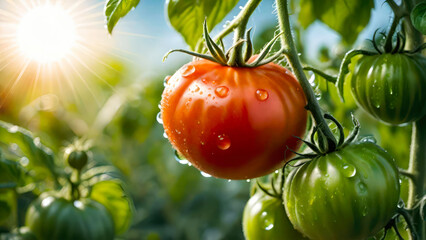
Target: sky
143	37
154	36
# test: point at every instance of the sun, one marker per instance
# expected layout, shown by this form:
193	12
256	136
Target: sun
46	33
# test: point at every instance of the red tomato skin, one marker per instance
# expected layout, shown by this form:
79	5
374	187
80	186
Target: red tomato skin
234	123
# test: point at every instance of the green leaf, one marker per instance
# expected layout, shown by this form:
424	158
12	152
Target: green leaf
112	195
38	155
187	16
418	17
12	172
116	9
347	17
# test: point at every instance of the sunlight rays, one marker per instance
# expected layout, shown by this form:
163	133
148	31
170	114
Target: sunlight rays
35	61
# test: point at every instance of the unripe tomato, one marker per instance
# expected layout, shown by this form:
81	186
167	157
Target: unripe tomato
54	218
234	123
391	87
77	159
265	218
348	194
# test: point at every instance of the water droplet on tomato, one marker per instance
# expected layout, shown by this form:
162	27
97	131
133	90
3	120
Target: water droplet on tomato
365	211
223	142
47	201
361	188
196	88
166	80
229	180
222	91
248	180
78	204
349	170
188	70
165	135
180	159
268	221
205	175
262	94
159	119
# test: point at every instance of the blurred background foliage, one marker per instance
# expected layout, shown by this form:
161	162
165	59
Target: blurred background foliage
173	200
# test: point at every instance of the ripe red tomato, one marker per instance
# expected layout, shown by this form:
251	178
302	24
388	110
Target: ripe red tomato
234	123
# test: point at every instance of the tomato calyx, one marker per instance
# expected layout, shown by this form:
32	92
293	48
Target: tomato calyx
318	142
224	57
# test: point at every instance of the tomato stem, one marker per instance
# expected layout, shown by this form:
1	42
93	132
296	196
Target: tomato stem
389	37
290	51
417	168
240	25
242	17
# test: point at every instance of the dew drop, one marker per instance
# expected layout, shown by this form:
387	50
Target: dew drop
361	187
229	180
248	180
205	175
221	91
166	80
159	119
365	211
24	161
196	88
47	201
37	141
180	159
78	204
262	94
188	70
223	142
165	135
268	222
13	129
370	139
349	170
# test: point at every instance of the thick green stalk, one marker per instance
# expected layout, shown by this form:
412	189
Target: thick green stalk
287	43
240	25
242	18
417	168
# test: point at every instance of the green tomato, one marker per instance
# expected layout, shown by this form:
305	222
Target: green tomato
77	159
391	87
348	194
264	217
55	218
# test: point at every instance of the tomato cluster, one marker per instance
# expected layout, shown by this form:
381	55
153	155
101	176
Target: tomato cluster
240	122
234	123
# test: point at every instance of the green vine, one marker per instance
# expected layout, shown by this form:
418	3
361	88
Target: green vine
289	49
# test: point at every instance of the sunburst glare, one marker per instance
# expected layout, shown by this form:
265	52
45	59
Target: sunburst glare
46	33
58	47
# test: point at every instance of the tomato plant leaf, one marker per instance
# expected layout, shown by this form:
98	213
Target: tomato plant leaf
116	9
418	17
12	172
112	195
187	16
37	154
346	17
